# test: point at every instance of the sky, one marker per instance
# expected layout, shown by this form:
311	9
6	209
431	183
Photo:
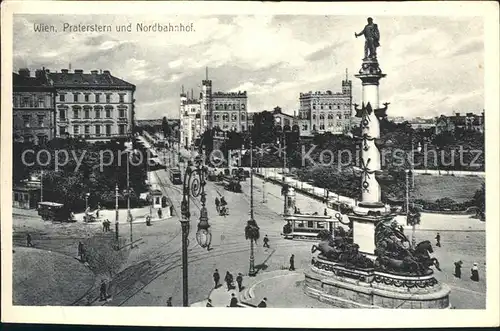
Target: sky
434	65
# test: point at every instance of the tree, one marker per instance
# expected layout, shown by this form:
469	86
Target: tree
479	199
263	128
167	131
252	230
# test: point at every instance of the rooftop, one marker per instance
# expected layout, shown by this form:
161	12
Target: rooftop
94	79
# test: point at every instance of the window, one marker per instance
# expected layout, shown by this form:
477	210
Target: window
122	98
87	130
314	116
225	117
322	126
330	116
26	102
321	116
86	112
234	117
310	224
242	128
108	129
16	197
41	102
87	98
42	139
97	98
122	113
40	120
339	124
97	130
76	130
216	117
75	97
330	106
320	225
242	106
339	117
62	130
26	120
121	129
108	98
62	115
242	117
304	127
108	112
97	113
347	116
76	113
62	97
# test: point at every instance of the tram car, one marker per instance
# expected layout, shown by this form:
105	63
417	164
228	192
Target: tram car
232	184
175	176
56	212
307	227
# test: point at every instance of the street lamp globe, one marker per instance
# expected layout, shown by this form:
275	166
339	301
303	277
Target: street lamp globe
203	235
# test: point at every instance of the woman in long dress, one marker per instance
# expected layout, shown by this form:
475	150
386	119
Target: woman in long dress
474	273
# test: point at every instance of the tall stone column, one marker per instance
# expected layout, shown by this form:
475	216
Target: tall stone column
370	210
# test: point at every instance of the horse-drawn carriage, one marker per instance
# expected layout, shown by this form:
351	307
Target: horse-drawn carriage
232	185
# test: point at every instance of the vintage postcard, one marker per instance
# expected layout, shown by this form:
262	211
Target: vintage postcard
319	160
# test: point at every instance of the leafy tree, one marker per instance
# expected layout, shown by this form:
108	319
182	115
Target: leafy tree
263	130
167	131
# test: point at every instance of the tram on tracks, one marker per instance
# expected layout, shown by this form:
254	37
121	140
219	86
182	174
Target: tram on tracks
307	227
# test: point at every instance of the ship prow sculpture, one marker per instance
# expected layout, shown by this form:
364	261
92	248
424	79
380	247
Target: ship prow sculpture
373	264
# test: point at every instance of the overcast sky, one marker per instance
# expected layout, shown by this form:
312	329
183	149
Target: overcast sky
434	65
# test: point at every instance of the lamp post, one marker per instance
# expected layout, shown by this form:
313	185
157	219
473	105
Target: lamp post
41	185
86	204
251	271
193	186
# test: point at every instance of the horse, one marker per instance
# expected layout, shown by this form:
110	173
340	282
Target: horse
422	255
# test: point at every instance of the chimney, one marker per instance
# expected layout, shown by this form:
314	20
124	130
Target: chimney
25	72
64	71
78	71
106	72
457	114
94	72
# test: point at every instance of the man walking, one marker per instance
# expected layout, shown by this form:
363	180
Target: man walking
103	295
28	240
169	302
160	214
239	281
229	280
438	240
80	251
217	204
216	278
209	303
292	263
458	269
266	241
262	303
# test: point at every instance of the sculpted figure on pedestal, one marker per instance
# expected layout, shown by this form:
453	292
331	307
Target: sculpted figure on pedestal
372	39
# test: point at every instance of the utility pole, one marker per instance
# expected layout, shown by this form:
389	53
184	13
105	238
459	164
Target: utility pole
41	185
252	257
116	214
129	217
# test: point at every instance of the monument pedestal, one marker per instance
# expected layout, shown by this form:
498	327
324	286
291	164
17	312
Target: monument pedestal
344	287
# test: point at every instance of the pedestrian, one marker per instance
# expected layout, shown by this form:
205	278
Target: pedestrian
474	273
217	204
239	281
262	303
222	238
104	226
103	294
325	212
229	280
458	269
266	241
28	240
80	250
292	263
234	301
209	303
159	213
216	278
438	240
169	302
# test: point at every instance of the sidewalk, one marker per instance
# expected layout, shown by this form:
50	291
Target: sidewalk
138	214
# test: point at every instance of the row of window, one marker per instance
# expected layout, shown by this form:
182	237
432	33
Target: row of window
331	116
122	129
86	97
322	126
122	113
225	117
29	102
27	121
228	107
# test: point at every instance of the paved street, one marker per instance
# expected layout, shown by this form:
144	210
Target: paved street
152	271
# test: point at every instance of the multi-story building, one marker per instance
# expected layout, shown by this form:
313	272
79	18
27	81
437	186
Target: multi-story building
95	105
223	110
322	112
285	121
190	114
33	107
469	121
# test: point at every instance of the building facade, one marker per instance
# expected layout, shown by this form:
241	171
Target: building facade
285	121
33	100
469	122
95	105
321	112
223	110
